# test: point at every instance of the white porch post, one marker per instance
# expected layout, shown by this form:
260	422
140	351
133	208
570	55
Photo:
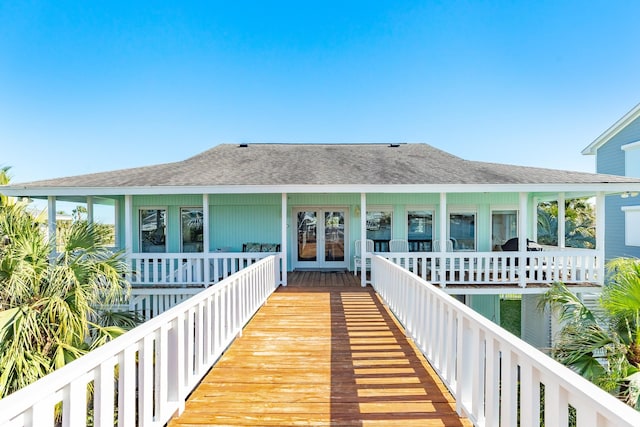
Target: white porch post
442	231
283	240
116	224
363	240
51	218
128	229
561	220
89	210
205	239
534	218
128	224
522	240
600	234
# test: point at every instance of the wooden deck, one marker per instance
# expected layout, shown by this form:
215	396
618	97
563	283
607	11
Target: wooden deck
321	356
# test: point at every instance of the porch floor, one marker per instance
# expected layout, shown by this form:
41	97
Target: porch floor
320	355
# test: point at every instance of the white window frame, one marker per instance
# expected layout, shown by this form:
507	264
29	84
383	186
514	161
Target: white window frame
631	224
166	225
181	231
464	210
631	159
386	209
427	208
502	208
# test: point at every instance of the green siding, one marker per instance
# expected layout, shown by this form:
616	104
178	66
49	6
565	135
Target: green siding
231	226
487	305
239	218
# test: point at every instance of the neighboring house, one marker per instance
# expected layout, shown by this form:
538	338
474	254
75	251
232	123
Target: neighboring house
205	217
617	152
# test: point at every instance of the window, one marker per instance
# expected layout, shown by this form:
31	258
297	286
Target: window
419	230
192	222
504	226
631	225
632	159
462	231
379	229
153	226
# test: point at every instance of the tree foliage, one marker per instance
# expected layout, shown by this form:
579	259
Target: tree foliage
53	304
603	346
579	224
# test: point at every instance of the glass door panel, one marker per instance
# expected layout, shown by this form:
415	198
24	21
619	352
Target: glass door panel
307	236
334	236
320	240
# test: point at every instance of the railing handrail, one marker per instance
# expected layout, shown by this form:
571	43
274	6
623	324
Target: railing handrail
47	388
429	314
521	268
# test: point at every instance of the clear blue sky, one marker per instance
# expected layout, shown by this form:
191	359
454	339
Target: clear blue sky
88	86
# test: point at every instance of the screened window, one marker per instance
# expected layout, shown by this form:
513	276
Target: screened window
379	229
631	225
504	226
462	231
153	228
419	230
192	222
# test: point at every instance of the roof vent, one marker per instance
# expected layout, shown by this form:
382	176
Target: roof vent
243	145
394	145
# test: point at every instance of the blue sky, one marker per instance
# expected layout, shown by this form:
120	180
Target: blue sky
88	86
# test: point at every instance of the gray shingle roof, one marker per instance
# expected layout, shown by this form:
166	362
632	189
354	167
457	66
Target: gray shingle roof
319	164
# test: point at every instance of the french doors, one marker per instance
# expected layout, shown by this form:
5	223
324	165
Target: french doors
320	238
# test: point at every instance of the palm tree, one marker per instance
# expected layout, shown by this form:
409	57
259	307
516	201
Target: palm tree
4	180
579	223
52	305
604	347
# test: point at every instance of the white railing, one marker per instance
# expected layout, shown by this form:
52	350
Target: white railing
189	269
143	377
495	377
471	268
150	302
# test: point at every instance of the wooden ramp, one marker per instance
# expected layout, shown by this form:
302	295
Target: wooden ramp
321	357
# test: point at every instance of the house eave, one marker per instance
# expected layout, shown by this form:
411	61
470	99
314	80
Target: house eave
592	148
578	189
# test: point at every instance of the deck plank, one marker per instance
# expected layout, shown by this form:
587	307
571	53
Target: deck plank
321	356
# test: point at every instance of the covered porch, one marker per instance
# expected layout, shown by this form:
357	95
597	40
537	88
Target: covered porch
325	231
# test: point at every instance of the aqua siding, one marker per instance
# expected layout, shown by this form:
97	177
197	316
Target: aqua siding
487	305
239	218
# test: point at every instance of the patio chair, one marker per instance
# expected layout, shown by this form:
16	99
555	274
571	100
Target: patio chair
357	257
398	245
436	245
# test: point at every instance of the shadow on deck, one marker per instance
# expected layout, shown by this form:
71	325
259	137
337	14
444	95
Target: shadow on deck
322	356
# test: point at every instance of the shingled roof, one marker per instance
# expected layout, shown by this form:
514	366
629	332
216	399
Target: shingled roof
320	164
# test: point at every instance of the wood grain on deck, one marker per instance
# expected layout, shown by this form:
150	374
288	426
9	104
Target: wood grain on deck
319	357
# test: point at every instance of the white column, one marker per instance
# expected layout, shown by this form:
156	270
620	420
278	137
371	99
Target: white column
206	245
363	240
51	218
128	224
205	239
116	224
443	239
283	240
561	220
522	240
600	234
89	210
534	218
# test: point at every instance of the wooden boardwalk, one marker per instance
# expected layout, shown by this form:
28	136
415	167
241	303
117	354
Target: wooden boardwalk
321	356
